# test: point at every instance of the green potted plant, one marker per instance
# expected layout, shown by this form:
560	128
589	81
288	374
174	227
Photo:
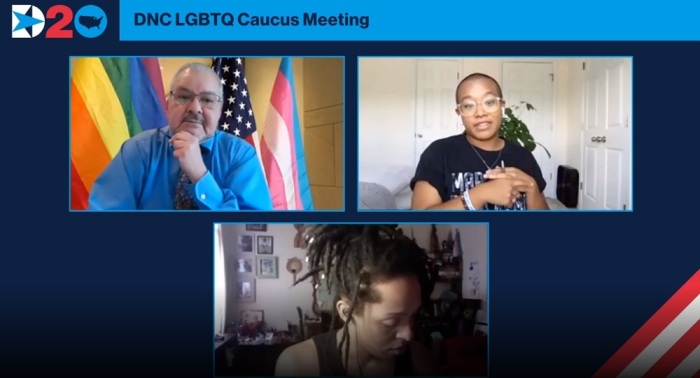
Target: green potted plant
514	129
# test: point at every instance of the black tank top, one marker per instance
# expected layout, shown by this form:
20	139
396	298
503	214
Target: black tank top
330	364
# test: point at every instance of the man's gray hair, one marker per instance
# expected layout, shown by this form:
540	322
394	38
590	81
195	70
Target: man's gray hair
199	67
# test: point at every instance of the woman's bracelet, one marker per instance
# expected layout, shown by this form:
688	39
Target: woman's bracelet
466	201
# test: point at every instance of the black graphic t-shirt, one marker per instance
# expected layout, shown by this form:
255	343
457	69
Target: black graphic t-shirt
452	166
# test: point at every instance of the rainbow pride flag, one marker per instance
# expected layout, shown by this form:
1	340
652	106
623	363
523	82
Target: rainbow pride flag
112	100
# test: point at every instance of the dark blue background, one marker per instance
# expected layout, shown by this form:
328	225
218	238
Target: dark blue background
102	295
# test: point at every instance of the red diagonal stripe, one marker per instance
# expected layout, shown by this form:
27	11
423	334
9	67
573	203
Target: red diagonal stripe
651	329
676	354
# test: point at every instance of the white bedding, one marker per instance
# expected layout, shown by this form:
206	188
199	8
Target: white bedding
395	178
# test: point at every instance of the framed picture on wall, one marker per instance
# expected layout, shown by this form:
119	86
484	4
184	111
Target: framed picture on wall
256	227
267	267
265	246
245	290
252	316
245	243
244	265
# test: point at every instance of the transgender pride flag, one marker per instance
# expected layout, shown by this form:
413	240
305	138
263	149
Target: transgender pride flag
281	147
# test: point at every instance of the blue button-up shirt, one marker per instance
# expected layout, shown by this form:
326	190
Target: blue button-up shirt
144	174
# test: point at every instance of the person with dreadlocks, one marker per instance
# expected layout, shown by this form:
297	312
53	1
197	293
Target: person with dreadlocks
379	279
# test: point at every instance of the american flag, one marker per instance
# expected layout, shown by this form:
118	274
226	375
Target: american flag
237	112
667	345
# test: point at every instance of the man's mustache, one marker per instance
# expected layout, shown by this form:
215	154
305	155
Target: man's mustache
193	118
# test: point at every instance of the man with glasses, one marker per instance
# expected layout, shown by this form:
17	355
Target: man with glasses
478	170
189	164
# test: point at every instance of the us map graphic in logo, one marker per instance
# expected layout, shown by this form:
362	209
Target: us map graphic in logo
91	21
28	21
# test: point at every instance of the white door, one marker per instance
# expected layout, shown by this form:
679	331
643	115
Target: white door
436	83
534	84
607	136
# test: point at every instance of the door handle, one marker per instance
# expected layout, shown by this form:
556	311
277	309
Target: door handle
419	135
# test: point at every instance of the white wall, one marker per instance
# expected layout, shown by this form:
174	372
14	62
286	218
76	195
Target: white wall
276	296
387	110
219	282
575	114
387	90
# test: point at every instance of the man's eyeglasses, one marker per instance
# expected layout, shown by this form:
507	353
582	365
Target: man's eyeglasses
490	105
207	100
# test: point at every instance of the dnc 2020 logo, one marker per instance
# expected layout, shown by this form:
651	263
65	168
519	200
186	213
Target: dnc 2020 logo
28	21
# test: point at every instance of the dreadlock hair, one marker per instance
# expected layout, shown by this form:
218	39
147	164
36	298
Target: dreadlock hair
352	257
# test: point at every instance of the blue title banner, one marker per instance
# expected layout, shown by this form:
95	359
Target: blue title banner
363	20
